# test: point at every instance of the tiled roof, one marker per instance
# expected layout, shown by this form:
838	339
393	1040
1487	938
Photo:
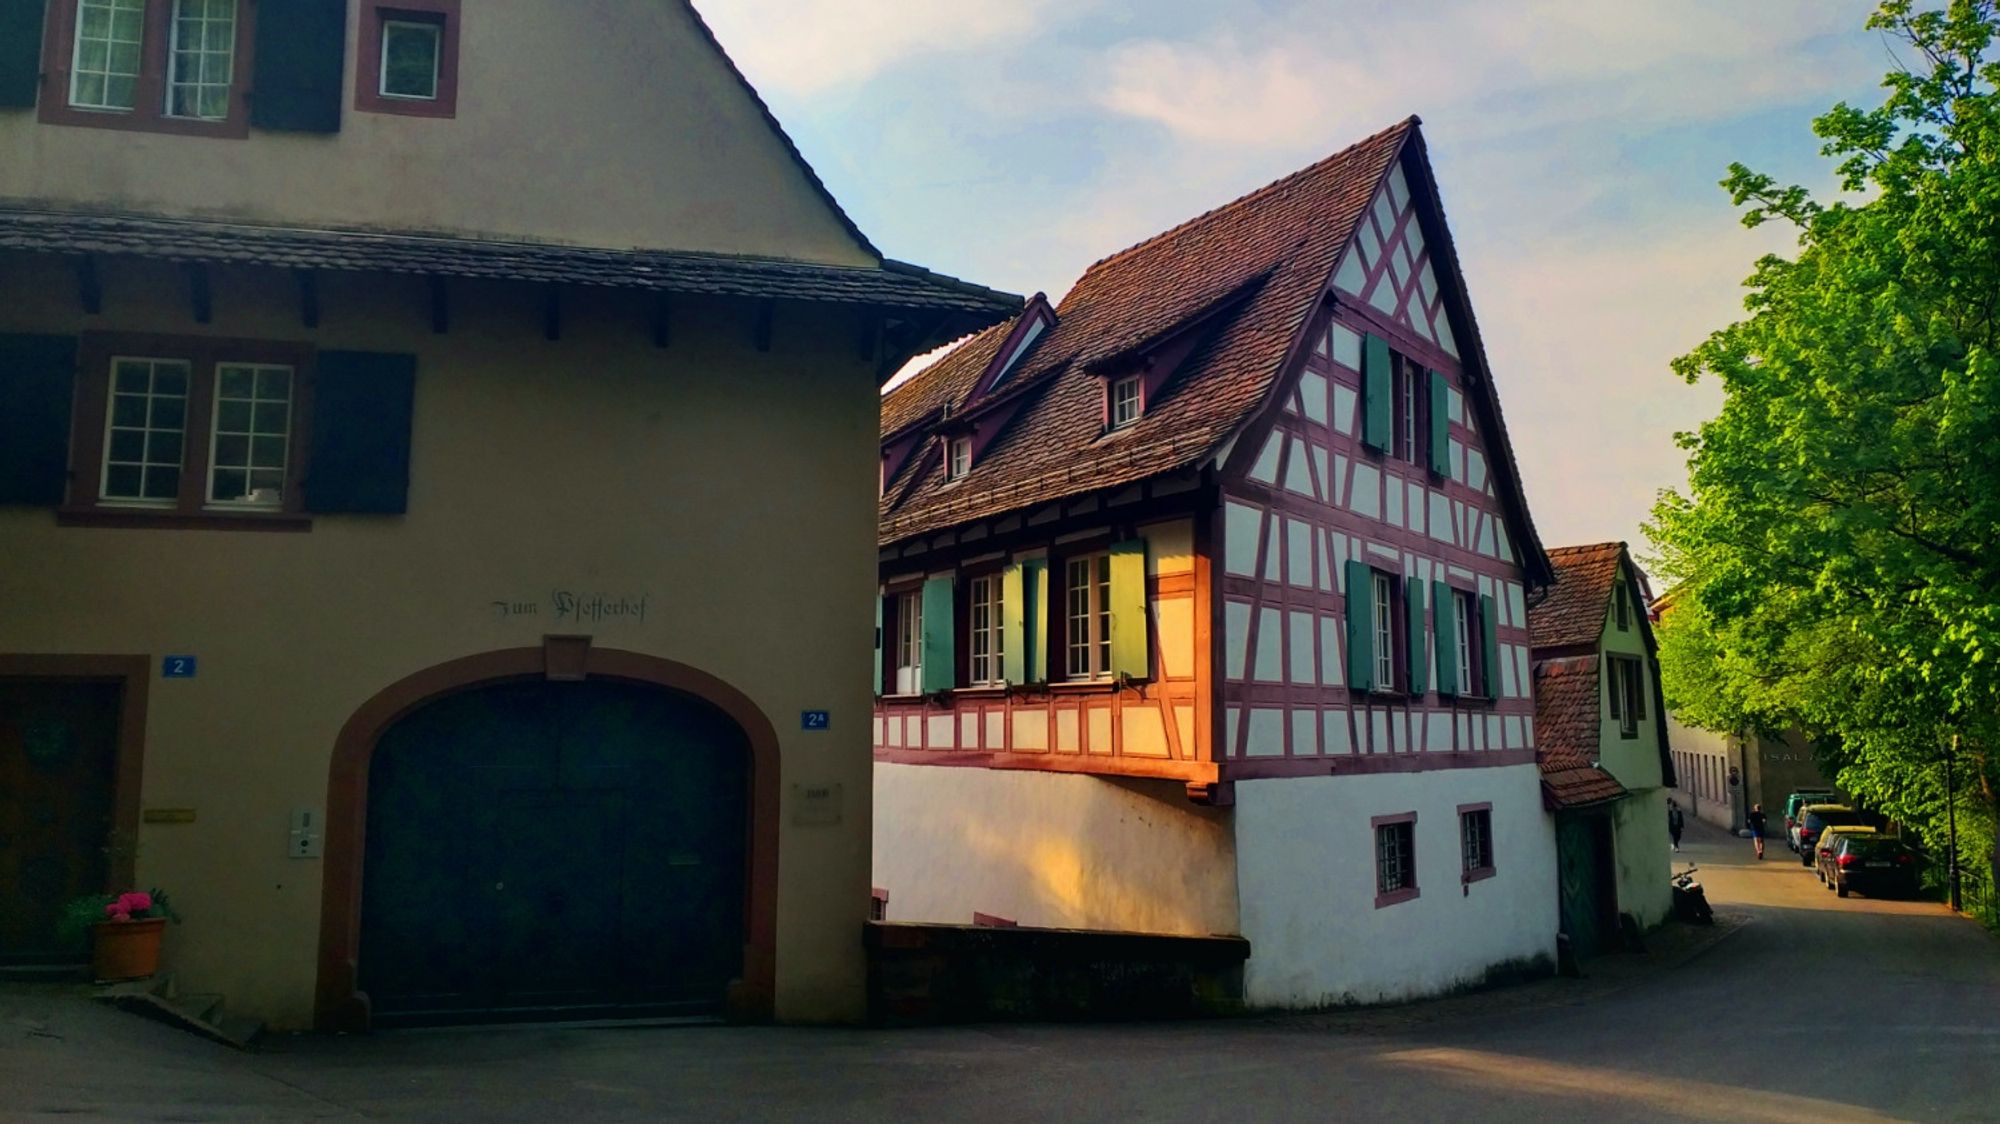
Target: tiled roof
1566	705
895	285
1576	606
932	387
1249	273
1571	781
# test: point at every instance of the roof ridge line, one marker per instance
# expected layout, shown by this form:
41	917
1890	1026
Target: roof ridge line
1406	123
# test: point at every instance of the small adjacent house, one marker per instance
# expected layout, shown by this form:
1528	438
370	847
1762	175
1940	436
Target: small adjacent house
434	490
1204	605
1603	747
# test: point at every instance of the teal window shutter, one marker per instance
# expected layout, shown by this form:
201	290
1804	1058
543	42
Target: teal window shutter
1440	433
1419	652
1378	396
878	642
1013	634
1131	647
1360	627
37	381
301	61
1445	602
1035	620
362	403
20	52
940	637
1489	642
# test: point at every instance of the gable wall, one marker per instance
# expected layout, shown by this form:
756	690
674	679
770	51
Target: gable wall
1304	496
600	122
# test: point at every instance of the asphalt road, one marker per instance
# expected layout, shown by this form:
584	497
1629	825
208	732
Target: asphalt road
1815	1008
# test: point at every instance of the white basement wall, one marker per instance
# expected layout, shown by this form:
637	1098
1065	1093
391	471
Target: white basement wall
1060	850
1306	868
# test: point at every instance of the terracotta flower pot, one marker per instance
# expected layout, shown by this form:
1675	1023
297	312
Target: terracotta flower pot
126	950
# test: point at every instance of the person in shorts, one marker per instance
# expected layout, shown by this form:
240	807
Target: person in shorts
1756	820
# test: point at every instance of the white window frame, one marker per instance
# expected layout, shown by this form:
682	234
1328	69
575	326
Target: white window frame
909	643
1128	401
178	464
436	32
201	80
958	458
1461	607
1385	631
1087	618
986	647
77	70
215	434
1407	376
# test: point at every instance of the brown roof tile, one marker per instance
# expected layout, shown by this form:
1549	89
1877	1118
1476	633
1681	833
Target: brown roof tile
1570	781
1566	705
1250	272
1577	604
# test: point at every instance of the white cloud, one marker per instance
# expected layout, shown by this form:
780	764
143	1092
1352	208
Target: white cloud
810	46
1559	61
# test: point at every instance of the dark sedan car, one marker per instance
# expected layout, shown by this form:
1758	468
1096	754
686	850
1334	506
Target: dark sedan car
1881	866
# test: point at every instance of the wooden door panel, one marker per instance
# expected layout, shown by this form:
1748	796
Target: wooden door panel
58	767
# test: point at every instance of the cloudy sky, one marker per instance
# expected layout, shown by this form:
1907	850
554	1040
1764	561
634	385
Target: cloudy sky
1577	144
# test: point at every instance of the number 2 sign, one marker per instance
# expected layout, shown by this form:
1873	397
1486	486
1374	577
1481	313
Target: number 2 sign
177	667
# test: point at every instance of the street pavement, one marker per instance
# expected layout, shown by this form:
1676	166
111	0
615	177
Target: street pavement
1808	1007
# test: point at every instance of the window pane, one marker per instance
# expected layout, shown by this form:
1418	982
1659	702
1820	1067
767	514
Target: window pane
236	382
410	60
230	484
202	61
164	446
267	452
271	417
170	378
232	416
274	383
163	483
136	378
122	480
232	450
128	445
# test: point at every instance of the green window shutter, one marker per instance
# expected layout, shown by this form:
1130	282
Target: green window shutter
1035	621
1360	627
1445	603
37	381
20	52
301	64
1378	396
878	643
1440	427
1013	633
940	637
1419	653
1489	642
1131	648
359	451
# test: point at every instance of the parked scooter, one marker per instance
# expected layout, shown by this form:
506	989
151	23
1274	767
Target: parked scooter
1690	900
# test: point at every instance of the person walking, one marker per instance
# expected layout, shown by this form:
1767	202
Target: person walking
1675	823
1756	819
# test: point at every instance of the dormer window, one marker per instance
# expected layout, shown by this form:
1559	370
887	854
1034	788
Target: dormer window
1128	401
958	458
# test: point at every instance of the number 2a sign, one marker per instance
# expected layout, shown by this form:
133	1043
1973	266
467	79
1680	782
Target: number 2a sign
177	667
813	719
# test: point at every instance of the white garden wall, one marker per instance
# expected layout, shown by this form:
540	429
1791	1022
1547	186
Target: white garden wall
1061	850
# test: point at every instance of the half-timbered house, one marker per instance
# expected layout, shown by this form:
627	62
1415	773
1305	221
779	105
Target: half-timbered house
1204	605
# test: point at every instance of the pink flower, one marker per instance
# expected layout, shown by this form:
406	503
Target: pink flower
114	913
136	902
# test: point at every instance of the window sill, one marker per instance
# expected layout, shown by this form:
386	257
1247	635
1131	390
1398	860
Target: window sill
1479	875
160	519
1397	897
981	691
1085	687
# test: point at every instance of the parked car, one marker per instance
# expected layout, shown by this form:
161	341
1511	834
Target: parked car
1822	848
1799	799
1880	866
1813	818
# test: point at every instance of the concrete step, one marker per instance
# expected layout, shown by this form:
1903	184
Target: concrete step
201	1013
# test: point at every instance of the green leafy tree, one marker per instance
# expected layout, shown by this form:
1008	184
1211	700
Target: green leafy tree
1836	553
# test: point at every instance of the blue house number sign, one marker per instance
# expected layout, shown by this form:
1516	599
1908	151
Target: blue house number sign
812	719
177	667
